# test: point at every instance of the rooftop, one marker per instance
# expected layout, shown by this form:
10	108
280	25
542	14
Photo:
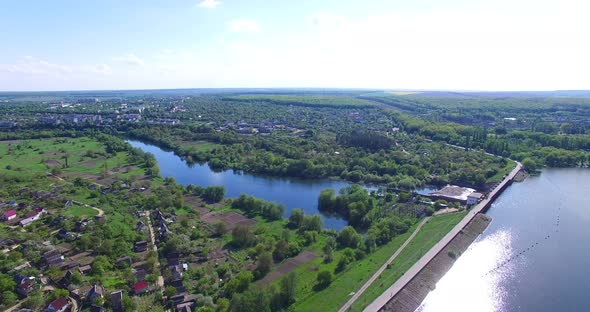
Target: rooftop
454	192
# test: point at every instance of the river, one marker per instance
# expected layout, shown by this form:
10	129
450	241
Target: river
534	256
292	193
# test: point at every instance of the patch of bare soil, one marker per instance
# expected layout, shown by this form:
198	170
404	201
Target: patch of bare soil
52	162
288	266
231	219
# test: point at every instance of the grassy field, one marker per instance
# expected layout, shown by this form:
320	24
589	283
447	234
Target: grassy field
344	283
500	175
84	156
333	297
79	211
429	235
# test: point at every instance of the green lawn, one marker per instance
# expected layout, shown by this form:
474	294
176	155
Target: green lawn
29	157
113	282
500	174
79	211
429	235
331	298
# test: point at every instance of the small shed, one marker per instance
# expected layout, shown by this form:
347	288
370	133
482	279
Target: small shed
474	198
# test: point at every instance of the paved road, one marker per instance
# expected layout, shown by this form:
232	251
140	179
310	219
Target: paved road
382	268
418	266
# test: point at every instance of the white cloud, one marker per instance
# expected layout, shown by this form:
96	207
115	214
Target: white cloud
209	4
102	69
33	66
244	26
130	59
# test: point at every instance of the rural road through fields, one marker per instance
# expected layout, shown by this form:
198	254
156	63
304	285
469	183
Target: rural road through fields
347	305
155	248
418	266
100	211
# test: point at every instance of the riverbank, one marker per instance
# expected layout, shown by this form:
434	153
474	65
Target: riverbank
423	262
412	295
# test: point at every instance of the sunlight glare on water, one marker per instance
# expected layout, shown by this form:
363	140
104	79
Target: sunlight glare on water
467	286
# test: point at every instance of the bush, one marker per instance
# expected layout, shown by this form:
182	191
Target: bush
324	279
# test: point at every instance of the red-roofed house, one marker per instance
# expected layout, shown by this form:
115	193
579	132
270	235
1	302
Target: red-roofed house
140	287
9	215
58	305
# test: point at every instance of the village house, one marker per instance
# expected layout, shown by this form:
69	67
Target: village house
117	300
53	258
85	269
58	305
140	246
95	292
9	215
32	216
140	287
131	117
65	281
24	284
95	308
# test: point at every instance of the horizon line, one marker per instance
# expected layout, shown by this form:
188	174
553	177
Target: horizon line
297	88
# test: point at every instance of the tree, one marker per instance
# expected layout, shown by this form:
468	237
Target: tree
324	279
170	291
254	300
219	228
222	305
129	304
348	237
243	236
326	200
312	223
239	283
440	203
34	301
288	289
264	264
214	193
101	265
529	164
58	293
296	218
76	278
6	283
8	298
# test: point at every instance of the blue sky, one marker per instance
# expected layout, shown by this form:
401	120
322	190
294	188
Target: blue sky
419	44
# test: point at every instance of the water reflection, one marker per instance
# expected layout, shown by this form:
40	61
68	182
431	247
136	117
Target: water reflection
532	257
468	277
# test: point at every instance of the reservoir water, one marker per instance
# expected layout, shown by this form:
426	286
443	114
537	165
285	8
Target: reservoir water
534	256
292	193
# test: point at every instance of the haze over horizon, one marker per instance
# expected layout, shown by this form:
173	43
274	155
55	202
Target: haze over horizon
377	44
